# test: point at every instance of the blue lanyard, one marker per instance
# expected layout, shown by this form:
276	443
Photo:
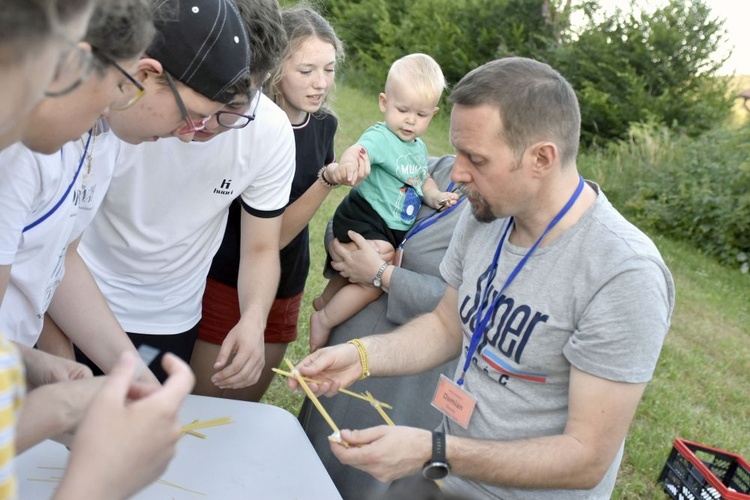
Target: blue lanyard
431	219
67	191
484	317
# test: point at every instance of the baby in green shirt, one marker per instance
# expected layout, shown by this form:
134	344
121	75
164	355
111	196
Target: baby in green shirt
384	206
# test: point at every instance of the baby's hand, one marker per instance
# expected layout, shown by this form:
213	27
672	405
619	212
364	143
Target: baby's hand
353	167
339	173
442	200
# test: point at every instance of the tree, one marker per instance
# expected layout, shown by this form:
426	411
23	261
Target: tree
459	34
648	67
636	67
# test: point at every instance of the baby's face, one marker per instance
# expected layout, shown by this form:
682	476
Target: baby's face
407	112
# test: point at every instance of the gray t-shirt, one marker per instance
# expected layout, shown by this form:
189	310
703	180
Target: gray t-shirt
599	297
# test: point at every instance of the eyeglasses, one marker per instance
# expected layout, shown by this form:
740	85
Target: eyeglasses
190	127
230	119
72	69
128	98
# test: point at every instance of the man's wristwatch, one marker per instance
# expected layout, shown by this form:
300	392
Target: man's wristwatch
437	467
378	279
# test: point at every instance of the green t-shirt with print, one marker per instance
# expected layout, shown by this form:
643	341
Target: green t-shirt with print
398	171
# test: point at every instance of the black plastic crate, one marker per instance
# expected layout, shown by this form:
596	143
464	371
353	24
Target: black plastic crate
698	472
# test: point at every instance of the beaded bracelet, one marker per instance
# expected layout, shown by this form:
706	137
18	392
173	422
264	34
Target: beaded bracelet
324	181
362	357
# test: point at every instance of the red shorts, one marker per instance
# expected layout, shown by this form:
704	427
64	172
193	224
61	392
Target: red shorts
221	312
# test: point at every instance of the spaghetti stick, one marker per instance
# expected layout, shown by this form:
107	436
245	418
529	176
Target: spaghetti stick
207	423
377	404
196	434
344	391
315	401
167	483
193	433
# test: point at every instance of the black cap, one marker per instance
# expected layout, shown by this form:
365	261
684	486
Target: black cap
203	44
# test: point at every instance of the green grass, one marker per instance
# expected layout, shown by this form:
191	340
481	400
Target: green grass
700	388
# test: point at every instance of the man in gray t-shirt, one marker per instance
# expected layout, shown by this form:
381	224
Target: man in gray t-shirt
556	306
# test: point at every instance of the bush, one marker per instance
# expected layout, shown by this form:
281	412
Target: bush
644	67
459	34
692	189
639	67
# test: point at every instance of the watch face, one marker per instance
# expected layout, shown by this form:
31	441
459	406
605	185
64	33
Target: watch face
376	282
435	470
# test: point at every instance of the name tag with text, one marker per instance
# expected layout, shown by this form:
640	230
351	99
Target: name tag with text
453	401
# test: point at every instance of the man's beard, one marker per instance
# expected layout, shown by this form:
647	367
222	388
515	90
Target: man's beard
479	207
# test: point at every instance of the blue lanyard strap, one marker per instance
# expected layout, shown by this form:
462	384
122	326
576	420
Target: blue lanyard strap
67	191
484	317
431	219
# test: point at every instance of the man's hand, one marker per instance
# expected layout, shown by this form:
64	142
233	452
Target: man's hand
335	367
241	357
385	452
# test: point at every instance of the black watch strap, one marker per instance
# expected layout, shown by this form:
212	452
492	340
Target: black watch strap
437	467
438	447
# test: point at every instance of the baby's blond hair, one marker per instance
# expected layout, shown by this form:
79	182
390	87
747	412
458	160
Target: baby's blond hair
419	71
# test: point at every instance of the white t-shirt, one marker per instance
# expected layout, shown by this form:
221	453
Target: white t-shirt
39	193
150	245
94	183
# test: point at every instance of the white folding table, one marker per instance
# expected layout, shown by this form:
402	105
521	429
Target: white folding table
263	454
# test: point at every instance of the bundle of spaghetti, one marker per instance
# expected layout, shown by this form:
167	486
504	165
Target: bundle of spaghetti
378	405
341	390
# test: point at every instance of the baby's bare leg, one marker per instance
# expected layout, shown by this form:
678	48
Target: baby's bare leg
346	303
332	287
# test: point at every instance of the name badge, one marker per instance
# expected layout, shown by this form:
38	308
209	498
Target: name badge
453	401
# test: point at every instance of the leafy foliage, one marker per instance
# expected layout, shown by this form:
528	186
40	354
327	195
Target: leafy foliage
644	67
696	190
459	34
628	68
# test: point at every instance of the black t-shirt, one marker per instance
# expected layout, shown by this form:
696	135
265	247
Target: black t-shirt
314	144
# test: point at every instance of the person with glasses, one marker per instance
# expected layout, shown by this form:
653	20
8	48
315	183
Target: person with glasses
42	188
189	73
47	179
36	39
162	215
174	224
300	86
113	420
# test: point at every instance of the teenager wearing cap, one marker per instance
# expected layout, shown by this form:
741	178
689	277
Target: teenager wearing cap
196	65
206	73
150	244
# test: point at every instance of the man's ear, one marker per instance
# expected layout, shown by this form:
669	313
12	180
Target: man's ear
545	156
382	101
148	68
